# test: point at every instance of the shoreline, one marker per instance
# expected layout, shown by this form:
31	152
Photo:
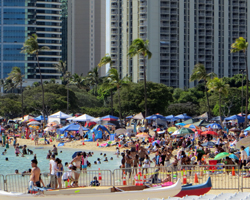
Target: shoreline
75	144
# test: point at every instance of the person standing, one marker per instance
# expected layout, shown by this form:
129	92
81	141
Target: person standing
35	176
128	163
52	169
77	160
243	157
54	150
59	172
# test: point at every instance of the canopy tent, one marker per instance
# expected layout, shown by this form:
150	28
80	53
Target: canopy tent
71	118
191	121
183	116
58	117
169	117
236	117
203	116
28	117
129	117
40	118
98	119
83	118
138	116
217	118
110	118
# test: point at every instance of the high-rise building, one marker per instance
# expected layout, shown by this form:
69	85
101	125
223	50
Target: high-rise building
21	18
64	30
181	33
86	35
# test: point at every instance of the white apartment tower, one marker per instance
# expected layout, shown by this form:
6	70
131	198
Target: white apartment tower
86	35
181	34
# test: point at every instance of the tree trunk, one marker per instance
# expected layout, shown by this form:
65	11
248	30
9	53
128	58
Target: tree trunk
220	108
67	100
242	98
245	124
111	101
207	101
21	87
42	88
120	108
145	90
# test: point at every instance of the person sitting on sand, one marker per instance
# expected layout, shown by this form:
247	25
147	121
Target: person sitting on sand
95	182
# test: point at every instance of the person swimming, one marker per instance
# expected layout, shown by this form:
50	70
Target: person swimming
60	151
104	155
98	161
95	162
111	158
106	159
100	153
6	159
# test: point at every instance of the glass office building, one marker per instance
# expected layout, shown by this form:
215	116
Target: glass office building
18	20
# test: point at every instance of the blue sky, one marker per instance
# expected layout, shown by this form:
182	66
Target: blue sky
107	26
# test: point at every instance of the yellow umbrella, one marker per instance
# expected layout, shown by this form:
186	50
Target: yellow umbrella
172	129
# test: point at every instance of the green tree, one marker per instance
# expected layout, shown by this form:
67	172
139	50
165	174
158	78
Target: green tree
17	79
93	79
115	81
79	81
65	77
31	47
219	86
105	60
200	73
241	45
140	47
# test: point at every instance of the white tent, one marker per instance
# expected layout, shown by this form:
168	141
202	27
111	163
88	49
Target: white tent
58	117
98	119
83	118
70	118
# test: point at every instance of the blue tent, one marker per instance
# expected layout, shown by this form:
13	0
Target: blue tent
236	117
40	118
129	117
72	127
110	118
157	116
169	117
96	130
183	116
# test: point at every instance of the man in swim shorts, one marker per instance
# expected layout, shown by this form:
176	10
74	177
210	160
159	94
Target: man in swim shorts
34	177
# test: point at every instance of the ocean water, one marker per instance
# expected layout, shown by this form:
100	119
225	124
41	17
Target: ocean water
24	163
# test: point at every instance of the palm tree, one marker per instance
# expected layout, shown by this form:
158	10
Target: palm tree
62	67
115	81
17	79
219	86
31	47
79	81
93	79
105	60
199	73
108	87
140	47
241	45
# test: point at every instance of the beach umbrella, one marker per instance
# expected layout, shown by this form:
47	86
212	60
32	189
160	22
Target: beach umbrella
191	126
110	118
129	117
221	155
235	129
214	126
142	135
247	150
233	156
34	123
180	124
183	116
177	132
248	128
198	130
172	129
185	131
210	133
208	144
156	116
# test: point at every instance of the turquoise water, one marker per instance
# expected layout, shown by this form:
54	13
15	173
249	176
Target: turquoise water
23	163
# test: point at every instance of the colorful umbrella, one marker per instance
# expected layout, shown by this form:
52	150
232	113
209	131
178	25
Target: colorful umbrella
185	131
191	126
142	135
34	123
199	131
221	155
210	133
172	129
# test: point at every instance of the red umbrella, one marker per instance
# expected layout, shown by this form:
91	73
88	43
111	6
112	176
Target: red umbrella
210	133
31	120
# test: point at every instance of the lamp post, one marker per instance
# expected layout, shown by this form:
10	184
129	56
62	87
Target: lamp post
242	72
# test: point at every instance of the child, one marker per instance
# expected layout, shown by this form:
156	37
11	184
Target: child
95	182
65	176
117	152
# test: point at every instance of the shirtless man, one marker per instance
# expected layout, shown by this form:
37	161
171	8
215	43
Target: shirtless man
142	155
34	177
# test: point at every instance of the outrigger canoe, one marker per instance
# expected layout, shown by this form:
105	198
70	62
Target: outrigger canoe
121	193
196	190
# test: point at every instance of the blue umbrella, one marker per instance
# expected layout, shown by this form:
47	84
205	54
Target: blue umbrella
129	117
247	150
157	116
183	116
214	126
180	124
233	156
248	128
208	144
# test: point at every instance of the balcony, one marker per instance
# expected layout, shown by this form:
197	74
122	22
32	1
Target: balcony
165	12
